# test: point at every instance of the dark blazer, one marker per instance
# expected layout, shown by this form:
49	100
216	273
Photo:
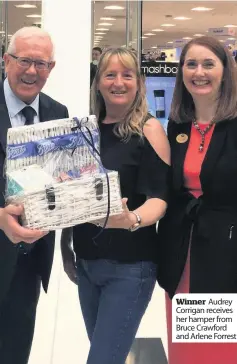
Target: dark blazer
213	216
42	252
93	70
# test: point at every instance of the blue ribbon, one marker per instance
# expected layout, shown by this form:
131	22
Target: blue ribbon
49	145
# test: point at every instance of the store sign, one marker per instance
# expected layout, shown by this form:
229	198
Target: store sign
221	31
160	82
160	69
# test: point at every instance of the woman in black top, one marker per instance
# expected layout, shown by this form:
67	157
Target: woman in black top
116	275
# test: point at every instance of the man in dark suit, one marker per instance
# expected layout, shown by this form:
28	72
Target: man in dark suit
25	261
96	53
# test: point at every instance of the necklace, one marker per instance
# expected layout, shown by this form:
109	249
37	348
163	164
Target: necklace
202	133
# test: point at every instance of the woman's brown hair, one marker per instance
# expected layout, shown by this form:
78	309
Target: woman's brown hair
182	107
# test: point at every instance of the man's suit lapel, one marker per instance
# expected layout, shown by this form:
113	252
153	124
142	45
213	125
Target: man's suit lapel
213	153
5	122
46	112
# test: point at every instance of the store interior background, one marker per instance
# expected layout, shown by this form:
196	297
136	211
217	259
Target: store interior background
60	335
163	23
166	25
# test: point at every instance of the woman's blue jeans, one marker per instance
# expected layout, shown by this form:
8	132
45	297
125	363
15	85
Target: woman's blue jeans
113	298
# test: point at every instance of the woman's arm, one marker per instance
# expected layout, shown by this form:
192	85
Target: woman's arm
154	208
155	134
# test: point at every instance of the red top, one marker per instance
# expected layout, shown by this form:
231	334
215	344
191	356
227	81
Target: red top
194	158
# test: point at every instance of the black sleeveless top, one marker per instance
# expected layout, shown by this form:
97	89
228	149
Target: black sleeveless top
142	174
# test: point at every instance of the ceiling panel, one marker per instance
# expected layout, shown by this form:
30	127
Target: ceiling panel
17	16
156	13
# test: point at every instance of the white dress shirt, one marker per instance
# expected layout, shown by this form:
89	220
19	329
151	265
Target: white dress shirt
15	105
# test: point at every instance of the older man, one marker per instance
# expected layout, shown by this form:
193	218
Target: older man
23	265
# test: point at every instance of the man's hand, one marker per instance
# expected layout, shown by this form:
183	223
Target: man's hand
13	230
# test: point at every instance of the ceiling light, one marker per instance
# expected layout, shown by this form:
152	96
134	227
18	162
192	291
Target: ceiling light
26	6
144	37
34	16
231	38
154	47
158	30
170	42
99	33
230	26
168	25
2	32
182	18
201	8
149	34
105	24
113	7
107	18
102	29
187	38
198	35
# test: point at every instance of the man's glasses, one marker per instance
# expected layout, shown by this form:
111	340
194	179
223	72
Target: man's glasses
27	62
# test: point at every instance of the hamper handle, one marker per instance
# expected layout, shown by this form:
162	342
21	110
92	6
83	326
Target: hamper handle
50	196
99	188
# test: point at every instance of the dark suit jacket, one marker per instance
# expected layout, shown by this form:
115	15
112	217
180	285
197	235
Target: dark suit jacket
213	216
93	70
42	252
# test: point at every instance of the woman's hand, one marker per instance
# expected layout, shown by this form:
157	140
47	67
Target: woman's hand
122	221
14	231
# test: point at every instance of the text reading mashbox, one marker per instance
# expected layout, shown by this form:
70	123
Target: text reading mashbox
204	318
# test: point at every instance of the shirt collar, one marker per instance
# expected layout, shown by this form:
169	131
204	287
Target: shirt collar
14	104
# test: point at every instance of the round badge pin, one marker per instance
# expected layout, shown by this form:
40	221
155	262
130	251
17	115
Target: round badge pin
182	138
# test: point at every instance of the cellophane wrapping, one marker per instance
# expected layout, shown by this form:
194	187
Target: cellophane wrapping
54	169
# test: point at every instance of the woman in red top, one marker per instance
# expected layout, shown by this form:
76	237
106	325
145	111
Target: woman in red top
198	235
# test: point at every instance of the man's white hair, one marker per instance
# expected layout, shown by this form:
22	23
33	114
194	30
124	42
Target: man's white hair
28	32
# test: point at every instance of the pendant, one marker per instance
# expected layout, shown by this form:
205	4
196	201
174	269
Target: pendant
201	148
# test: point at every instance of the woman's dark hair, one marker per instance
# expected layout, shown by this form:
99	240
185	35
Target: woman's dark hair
182	107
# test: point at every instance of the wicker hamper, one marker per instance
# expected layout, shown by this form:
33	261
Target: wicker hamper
37	157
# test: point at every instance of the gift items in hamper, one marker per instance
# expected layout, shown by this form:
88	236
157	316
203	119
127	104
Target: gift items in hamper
54	169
